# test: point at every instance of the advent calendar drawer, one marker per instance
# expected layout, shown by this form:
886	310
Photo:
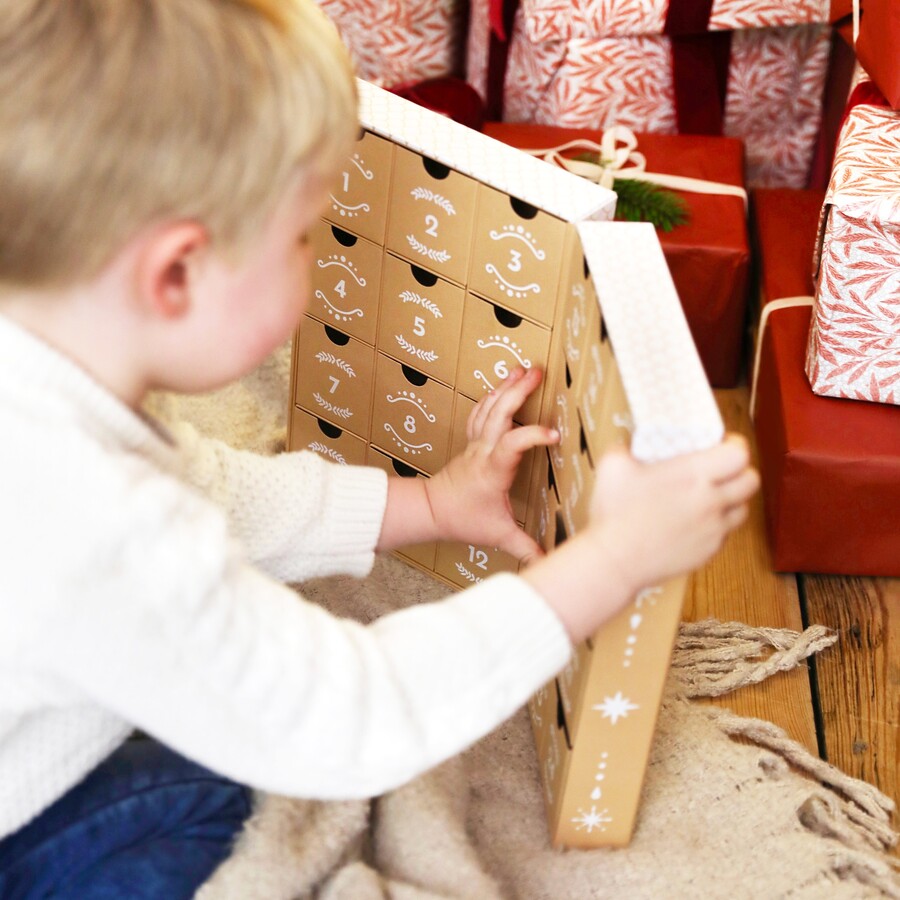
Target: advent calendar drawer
465	564
411	415
518	493
421	318
334	376
430	220
359	199
306	432
602	403
423	554
517	255
346	281
494	342
575	482
579	317
543	504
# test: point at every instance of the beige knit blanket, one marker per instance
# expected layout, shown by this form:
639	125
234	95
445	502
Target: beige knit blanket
732	808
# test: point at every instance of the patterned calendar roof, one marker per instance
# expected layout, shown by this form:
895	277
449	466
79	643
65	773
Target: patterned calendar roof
671	403
474	154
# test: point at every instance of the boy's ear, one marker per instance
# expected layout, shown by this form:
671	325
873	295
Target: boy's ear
166	266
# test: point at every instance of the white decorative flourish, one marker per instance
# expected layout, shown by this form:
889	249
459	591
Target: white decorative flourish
415	449
424	355
623	420
342	315
504	343
588	821
341	411
410	397
512	290
330	452
467	574
324	356
440	256
480	376
413	297
615	708
343	263
424	193
359	162
517	232
347	210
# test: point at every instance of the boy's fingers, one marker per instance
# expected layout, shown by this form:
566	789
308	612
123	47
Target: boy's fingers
727	459
735	515
521	546
739	489
478	416
514	391
520	440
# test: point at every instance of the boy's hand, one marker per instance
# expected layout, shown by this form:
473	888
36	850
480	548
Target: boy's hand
666	518
648	523
469	497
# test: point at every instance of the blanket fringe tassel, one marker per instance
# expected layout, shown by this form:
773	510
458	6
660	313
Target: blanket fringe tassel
713	658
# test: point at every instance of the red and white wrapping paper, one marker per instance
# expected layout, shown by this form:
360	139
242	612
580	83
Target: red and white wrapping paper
562	20
774	94
854	339
396	42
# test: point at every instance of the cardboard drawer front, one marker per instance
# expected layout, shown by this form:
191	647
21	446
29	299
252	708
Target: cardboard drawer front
517	255
346	281
420	319
307	432
494	342
359	199
411	415
466	564
431	214
334	376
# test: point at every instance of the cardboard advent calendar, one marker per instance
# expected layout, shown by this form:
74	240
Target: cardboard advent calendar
444	260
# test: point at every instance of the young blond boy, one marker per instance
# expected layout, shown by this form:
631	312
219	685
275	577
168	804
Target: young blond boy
160	164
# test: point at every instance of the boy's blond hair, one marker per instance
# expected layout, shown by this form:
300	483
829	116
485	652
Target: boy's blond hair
115	114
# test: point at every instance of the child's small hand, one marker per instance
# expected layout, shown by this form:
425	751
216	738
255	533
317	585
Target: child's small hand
666	518
469	497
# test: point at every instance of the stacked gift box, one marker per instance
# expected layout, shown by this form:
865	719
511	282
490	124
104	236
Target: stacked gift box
751	71
827	375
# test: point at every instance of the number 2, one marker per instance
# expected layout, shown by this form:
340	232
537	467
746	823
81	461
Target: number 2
432	224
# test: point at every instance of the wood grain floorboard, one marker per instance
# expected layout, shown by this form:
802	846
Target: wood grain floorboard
859	679
739	585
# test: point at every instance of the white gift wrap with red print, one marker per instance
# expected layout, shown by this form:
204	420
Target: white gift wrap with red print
774	95
854	339
396	42
563	20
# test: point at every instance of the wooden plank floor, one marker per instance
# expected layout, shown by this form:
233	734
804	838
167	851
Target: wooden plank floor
846	704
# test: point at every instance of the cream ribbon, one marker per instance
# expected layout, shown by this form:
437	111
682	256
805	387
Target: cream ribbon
620	158
855	21
768	309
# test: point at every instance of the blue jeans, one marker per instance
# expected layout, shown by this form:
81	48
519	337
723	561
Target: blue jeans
146	824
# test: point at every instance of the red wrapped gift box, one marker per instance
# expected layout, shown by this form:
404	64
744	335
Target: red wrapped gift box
709	255
830	467
877	46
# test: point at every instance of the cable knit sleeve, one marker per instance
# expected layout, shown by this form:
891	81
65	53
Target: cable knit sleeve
296	515
166	625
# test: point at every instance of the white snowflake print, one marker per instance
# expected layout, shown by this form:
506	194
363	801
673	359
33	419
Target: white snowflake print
588	821
615	708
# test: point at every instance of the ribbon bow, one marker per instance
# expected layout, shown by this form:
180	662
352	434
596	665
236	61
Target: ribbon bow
618	157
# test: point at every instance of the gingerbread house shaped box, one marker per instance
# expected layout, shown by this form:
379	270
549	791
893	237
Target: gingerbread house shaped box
445	259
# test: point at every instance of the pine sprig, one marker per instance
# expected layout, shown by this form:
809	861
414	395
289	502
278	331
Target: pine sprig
642	201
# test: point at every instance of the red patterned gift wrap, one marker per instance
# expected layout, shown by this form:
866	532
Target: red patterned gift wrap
854	342
561	71
396	42
708	256
830	467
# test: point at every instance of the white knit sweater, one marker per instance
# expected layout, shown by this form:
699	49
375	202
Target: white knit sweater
140	585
